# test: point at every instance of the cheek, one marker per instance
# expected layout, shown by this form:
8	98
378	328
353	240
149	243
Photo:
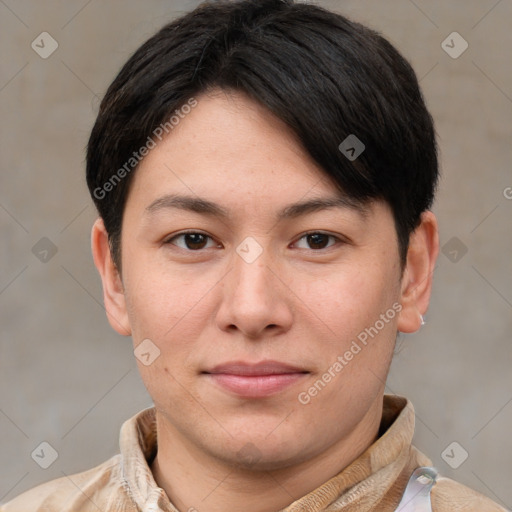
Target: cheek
172	311
169	313
358	311
156	301
348	301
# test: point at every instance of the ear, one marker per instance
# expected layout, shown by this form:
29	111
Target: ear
113	292
417	277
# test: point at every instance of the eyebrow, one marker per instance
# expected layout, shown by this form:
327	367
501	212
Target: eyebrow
211	209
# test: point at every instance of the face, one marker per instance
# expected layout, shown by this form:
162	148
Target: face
272	318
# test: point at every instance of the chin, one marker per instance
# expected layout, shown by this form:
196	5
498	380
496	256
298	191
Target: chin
251	458
260	453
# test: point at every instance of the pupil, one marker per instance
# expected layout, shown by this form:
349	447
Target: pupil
316	239
194	239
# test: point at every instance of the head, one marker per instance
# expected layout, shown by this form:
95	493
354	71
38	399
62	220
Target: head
263	173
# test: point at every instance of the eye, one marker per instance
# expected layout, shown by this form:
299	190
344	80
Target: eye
317	240
191	240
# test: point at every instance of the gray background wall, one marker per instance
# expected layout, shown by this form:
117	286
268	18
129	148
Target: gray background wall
68	379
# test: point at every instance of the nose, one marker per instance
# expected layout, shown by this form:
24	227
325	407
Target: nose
255	299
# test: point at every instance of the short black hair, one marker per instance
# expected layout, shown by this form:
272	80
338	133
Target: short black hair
325	76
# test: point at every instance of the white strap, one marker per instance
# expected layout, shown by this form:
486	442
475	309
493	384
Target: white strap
416	496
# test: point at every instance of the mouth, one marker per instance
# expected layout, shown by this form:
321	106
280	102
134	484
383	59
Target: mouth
255	380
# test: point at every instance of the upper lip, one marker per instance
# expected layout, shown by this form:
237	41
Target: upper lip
253	369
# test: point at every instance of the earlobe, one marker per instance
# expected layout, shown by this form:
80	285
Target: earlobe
113	292
417	277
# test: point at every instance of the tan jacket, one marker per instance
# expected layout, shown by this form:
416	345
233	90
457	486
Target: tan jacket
375	481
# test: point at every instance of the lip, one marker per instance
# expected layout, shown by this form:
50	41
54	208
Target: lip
255	380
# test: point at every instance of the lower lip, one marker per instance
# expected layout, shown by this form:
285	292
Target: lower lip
255	386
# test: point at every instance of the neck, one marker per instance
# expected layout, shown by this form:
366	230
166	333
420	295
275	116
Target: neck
195	481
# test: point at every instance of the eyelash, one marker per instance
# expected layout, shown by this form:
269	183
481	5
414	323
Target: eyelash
184	233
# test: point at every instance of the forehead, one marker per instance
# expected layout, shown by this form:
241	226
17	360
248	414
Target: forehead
227	154
229	139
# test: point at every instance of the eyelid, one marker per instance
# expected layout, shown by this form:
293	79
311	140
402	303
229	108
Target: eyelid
186	232
340	239
168	239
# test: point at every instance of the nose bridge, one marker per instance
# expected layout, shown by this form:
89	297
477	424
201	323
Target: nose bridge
251	274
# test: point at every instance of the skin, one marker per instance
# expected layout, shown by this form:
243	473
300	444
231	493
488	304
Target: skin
302	302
